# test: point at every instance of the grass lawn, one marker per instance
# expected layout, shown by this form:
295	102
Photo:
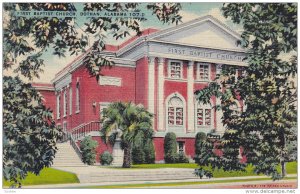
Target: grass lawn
123	186
291	168
48	176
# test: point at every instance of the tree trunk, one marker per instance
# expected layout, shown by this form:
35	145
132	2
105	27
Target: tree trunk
127	156
283	169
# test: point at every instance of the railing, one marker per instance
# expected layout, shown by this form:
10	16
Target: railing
75	146
83	130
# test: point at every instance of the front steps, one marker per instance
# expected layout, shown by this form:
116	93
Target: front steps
141	175
66	156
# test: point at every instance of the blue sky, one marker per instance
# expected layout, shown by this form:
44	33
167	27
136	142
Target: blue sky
189	11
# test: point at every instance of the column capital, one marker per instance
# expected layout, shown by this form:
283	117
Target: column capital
161	61
191	63
151	59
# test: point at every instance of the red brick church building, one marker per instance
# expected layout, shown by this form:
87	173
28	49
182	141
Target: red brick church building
160	70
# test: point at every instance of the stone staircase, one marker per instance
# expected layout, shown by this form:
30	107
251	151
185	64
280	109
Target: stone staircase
66	156
135	175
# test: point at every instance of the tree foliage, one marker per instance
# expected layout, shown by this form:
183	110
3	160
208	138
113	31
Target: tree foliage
25	40
30	37
266	88
29	132
134	122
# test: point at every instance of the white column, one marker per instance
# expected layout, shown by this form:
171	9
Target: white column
190	97
151	75
160	95
220	129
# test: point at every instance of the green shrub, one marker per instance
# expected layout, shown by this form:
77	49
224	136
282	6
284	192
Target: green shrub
88	148
138	154
106	158
149	152
143	153
170	148
199	146
182	158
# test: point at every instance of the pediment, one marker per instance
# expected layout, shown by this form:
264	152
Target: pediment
204	32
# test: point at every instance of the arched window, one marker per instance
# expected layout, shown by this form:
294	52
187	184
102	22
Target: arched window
204	115
175	111
77	97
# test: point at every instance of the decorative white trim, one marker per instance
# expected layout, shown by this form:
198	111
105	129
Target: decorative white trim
58	106
70	100
48	88
190	96
110	81
160	94
154	36
175	80
151	77
63	81
196	59
179	129
199	46
169	69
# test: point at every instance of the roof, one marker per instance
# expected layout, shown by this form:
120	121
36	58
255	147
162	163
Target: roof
43	86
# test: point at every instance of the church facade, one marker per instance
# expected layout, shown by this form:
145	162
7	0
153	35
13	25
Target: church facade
161	69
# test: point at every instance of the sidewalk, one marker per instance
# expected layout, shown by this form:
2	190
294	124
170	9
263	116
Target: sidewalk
78	185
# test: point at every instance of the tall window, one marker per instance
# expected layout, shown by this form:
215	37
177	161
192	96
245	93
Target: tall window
203	115
203	71
65	103
180	147
58	106
175	112
175	69
70	99
77	97
65	126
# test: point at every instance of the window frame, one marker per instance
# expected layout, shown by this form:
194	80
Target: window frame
70	101
65	104
169	69
102	105
175	128
198	72
65	126
175	111
204	108
77	103
178	147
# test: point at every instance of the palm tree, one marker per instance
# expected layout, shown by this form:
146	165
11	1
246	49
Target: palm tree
134	121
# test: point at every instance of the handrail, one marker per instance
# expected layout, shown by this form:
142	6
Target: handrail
75	146
84	129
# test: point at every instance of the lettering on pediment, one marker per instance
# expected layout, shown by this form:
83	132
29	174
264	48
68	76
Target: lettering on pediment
205	54
110	81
